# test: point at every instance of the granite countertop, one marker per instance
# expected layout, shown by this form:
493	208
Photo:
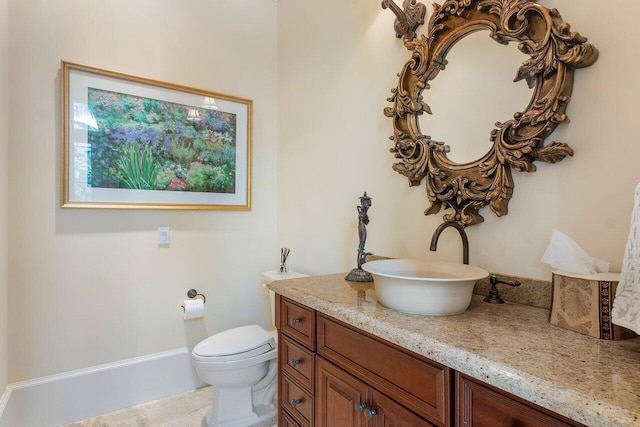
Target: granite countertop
510	346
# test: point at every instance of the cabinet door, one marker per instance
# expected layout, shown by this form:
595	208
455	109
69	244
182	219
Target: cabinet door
480	405
337	394
389	413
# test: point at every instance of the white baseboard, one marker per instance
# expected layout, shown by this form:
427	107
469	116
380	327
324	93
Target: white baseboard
71	396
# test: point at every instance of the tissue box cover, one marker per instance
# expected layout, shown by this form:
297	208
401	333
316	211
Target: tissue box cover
582	303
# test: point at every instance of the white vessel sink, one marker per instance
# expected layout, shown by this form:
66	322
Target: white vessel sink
423	287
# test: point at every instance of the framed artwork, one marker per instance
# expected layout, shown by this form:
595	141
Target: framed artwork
133	143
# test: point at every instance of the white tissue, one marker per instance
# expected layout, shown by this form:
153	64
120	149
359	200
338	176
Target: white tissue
566	255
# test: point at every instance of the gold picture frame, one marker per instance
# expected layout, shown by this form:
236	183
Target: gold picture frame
130	142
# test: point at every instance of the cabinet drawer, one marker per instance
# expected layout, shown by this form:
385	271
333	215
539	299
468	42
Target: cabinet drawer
480	405
299	322
420	385
297	361
287	421
296	401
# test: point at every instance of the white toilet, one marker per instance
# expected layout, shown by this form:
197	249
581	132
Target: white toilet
242	366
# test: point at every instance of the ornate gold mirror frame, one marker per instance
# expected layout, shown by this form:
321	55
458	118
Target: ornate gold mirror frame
554	52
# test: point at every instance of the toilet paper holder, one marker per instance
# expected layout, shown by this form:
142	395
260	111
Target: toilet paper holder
192	293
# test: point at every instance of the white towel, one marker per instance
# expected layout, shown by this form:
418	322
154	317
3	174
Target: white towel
626	306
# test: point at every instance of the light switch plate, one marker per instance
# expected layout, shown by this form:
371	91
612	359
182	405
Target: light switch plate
163	236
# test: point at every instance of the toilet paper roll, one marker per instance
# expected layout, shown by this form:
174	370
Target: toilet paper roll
193	308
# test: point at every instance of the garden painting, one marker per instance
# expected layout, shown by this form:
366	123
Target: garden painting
141	143
129	142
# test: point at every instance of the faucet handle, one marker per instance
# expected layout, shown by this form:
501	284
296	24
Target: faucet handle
494	297
494	281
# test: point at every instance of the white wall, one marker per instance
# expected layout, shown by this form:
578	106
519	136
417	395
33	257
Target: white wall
4	144
337	64
88	286
91	287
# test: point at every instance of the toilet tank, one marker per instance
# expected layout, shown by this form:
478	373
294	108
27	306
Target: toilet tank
271	276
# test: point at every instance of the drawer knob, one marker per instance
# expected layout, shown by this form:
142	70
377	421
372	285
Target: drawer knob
369	413
295	321
295	402
295	362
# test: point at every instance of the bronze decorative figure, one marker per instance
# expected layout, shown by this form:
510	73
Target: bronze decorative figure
554	52
358	274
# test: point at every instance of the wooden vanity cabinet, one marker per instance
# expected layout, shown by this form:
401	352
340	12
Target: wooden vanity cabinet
335	375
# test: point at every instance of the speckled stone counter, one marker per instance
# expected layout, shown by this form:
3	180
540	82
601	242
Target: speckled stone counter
510	346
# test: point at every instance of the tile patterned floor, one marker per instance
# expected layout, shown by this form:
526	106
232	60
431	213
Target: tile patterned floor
182	410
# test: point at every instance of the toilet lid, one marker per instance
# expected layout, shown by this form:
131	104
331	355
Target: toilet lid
235	341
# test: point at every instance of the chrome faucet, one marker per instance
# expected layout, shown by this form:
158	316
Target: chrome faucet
463	235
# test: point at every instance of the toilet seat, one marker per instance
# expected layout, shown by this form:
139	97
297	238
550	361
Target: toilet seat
235	344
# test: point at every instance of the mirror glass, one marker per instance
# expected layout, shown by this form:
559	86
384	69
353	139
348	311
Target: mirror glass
474	91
